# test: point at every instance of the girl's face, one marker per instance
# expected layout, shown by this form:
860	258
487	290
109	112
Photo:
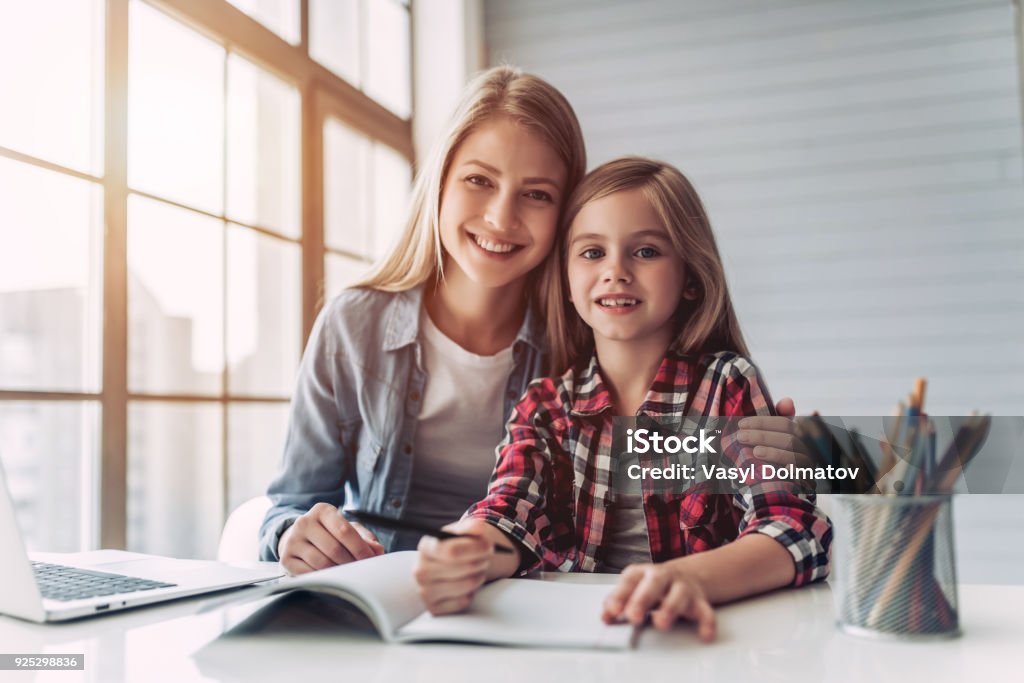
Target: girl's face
500	203
625	278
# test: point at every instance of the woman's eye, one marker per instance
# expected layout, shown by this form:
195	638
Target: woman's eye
647	252
478	180
591	253
539	195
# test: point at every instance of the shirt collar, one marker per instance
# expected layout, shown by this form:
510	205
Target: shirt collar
590	395
531	331
667	394
402	314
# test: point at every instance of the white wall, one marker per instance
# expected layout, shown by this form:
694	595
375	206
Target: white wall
447	51
861	161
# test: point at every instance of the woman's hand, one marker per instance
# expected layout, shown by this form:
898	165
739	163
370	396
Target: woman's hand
323	538
450	571
775	438
666	592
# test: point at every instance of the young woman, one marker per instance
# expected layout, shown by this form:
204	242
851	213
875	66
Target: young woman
408	377
652	332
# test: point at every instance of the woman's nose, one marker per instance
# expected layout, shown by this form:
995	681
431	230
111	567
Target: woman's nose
501	211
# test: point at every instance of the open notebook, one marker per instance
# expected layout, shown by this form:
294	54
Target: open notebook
518	612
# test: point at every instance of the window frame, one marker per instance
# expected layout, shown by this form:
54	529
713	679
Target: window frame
322	94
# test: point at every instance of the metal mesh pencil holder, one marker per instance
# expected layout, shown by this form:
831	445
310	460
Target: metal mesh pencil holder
893	569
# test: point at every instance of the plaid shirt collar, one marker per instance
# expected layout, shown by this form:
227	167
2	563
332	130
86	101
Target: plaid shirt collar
667	393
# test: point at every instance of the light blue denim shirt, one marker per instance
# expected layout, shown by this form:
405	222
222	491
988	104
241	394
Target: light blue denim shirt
354	412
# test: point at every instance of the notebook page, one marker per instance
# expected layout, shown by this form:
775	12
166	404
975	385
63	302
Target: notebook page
530	613
382	587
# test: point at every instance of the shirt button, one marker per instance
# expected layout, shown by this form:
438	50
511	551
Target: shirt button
396	502
407	449
414	396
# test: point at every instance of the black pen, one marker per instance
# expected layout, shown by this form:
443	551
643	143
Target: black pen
402	525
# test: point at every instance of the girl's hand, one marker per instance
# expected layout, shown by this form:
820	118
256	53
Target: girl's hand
664	591
450	571
323	538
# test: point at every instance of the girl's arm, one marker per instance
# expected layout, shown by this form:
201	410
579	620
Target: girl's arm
449	572
776	509
784	540
528	508
687	587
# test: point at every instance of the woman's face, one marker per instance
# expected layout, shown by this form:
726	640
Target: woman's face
500	203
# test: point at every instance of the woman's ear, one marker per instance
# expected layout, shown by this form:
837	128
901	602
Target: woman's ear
691	291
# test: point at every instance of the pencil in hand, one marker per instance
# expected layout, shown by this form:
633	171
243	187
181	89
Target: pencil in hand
405	525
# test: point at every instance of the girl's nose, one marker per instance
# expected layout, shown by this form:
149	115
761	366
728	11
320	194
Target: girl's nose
617	271
501	212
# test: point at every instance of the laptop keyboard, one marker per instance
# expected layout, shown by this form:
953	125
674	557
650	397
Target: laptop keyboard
58	582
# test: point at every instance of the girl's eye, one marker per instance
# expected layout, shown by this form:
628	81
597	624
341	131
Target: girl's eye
647	252
539	195
478	180
592	253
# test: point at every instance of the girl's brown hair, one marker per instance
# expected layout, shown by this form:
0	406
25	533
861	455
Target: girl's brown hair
532	102
706	324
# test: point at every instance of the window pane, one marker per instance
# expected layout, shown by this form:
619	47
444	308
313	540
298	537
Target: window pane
264	313
263	149
175	496
392	180
387	69
255	442
175	299
340	272
175	111
52	81
334	36
280	16
49	451
346	189
50	279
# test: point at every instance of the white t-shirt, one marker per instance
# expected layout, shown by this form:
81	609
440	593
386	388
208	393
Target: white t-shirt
461	422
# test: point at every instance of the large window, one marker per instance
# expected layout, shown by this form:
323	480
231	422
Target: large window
175	203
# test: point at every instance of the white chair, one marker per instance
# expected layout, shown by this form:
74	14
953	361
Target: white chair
239	541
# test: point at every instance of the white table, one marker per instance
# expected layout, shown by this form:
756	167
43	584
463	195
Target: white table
784	636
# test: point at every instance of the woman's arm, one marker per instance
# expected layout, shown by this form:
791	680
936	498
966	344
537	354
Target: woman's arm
774	438
303	528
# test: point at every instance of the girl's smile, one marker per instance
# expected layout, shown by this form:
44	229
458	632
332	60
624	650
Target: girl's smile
618	304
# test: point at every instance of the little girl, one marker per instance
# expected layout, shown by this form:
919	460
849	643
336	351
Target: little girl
653	333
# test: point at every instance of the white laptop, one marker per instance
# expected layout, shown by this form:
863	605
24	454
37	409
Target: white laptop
57	587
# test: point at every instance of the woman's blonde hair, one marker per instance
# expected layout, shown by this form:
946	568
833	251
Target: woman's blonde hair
706	324
531	102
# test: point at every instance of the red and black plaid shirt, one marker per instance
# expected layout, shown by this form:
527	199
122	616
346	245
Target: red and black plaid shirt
550	487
